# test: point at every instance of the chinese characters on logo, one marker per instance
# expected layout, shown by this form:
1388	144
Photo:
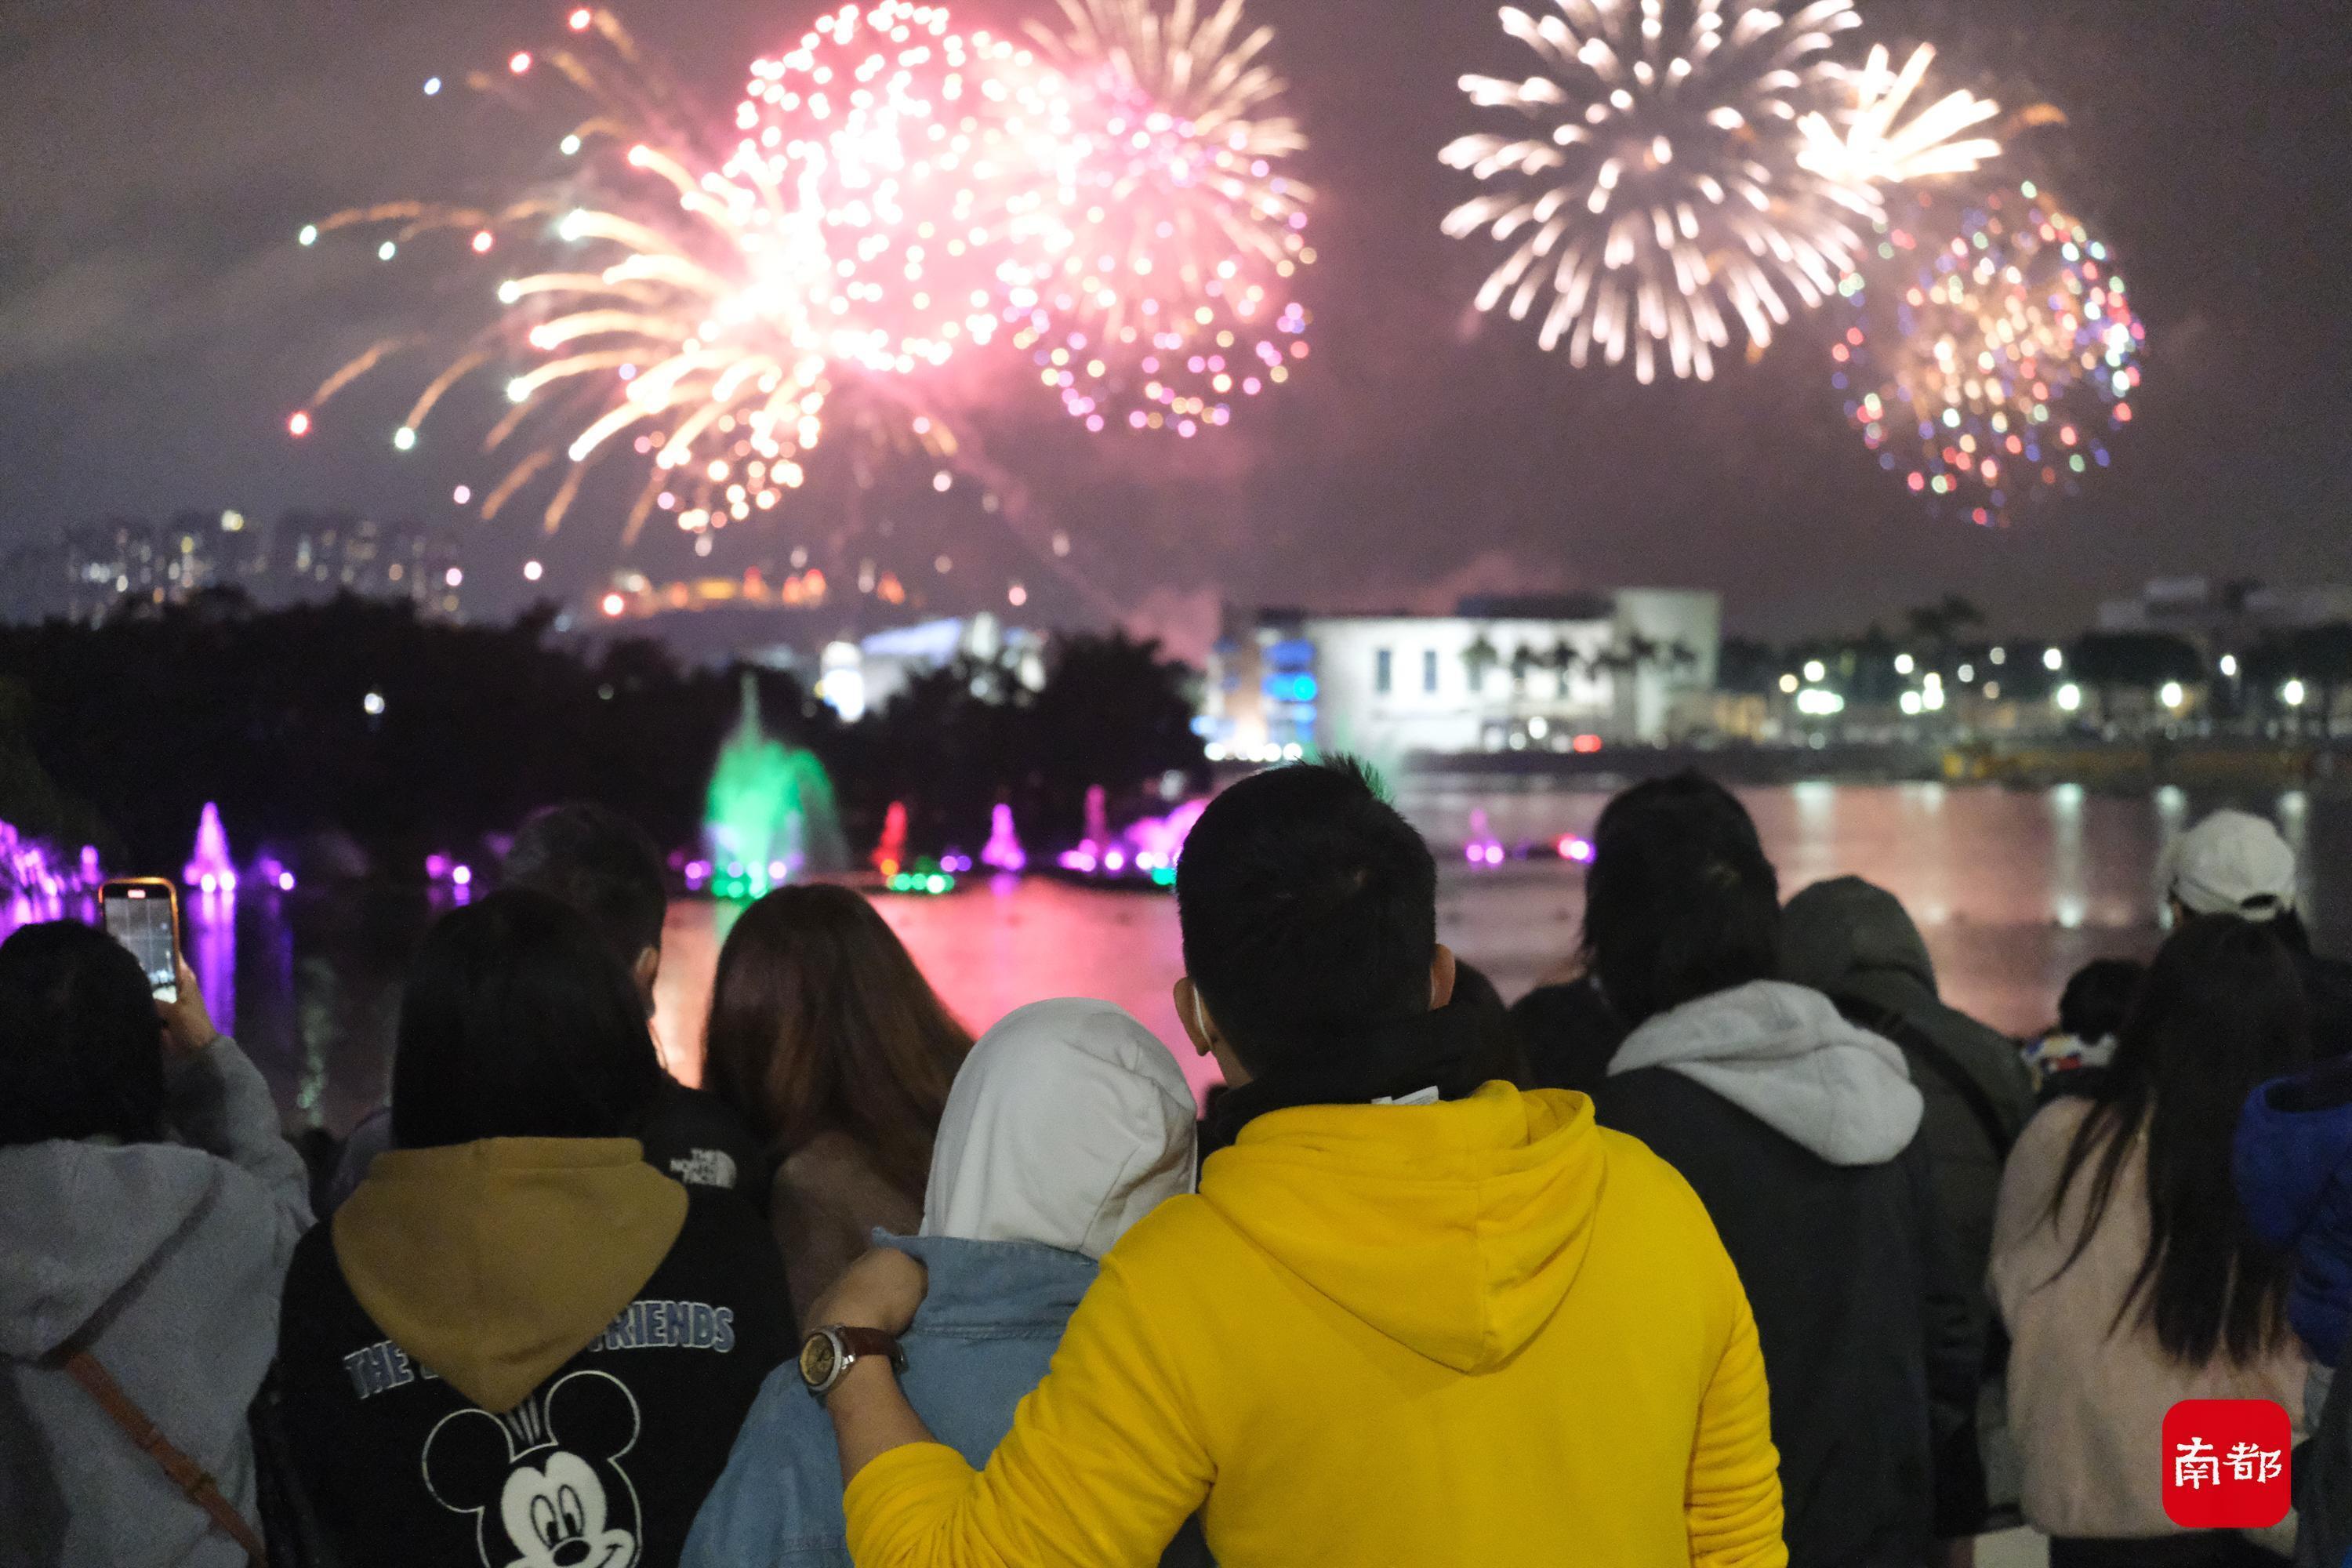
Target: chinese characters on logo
2225	1464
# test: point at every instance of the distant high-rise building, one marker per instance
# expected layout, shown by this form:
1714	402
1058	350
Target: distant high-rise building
92	569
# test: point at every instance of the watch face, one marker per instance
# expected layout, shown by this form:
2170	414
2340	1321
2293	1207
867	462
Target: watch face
817	1359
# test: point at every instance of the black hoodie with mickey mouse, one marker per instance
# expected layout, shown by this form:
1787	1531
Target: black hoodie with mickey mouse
524	1353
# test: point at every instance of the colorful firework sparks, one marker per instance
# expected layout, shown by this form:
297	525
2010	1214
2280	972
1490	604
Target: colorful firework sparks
895	194
1988	374
1665	191
1154	287
901	152
646	296
1864	145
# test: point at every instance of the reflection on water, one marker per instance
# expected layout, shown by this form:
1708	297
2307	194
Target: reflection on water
2013	890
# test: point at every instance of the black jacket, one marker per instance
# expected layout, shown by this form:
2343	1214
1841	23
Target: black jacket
1859	1308
611	1455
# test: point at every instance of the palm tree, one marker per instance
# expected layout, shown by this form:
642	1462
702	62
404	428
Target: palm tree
1478	660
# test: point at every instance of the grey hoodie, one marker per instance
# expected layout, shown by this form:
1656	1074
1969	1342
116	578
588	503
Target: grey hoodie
165	1261
1782	1054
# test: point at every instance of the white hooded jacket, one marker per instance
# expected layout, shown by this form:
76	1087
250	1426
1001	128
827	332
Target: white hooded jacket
1783	1054
1069	1121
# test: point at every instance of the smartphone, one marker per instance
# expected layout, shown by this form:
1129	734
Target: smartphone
142	913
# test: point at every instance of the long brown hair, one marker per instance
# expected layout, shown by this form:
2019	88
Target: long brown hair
2223	1009
821	1022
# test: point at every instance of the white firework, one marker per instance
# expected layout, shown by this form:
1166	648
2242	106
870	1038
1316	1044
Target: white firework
1865	146
1659	192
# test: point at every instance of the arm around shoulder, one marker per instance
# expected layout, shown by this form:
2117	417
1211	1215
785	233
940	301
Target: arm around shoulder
1104	1462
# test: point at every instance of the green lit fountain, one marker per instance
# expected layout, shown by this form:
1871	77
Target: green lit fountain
770	818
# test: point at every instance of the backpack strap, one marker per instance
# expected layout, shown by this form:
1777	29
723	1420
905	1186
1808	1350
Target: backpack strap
190	1477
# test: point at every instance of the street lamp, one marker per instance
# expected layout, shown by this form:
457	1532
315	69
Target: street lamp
2070	697
2053	660
2170	695
1815	669
2229	666
2291	693
1904	664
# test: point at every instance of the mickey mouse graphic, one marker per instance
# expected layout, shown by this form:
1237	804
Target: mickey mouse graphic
541	1481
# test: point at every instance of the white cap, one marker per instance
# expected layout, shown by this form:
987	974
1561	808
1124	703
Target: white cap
2233	864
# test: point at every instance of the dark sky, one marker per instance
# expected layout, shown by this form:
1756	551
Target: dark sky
157	322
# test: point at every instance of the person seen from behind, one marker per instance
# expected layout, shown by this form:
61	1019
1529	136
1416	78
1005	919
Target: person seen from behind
517	1341
151	1208
1796	1128
2292	1164
1854	943
601	865
2129	1274
2234	863
1068	1122
1406	1318
829	1041
2072	1057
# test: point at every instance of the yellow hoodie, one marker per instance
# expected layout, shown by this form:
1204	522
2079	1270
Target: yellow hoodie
1483	1332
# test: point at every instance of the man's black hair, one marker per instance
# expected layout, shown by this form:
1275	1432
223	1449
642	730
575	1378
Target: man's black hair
1681	901
520	1022
601	865
1309	910
82	1050
2099	996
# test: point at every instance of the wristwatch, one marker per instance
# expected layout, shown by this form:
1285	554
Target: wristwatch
828	1354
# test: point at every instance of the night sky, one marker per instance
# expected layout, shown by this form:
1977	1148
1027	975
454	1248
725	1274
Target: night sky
158	321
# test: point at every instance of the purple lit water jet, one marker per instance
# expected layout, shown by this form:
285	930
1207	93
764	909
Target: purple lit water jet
1002	849
209	868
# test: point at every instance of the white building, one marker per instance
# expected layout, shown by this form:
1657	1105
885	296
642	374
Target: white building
1550	673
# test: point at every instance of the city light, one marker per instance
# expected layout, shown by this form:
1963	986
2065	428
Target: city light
298	424
2070	697
2170	694
1998	656
1815	669
615	605
532	571
1819	704
1788	683
2229	666
1904	664
453	576
2291	693
2052	659
1967	672
372	704
1909	703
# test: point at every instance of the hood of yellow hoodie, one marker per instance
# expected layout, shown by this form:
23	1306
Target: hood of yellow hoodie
494	1263
1455	1229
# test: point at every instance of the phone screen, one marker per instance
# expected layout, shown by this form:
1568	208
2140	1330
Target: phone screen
140	918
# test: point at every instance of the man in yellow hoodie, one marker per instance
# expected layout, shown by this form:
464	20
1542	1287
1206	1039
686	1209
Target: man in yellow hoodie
1404	1320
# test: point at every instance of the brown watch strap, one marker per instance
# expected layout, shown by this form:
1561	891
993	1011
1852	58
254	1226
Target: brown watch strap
863	1342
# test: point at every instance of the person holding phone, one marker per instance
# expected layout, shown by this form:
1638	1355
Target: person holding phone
153	1207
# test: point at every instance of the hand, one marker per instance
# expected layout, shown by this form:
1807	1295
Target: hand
880	1291
187	1027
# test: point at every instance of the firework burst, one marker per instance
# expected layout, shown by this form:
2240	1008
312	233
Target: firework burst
1991	370
647	295
1156	286
1865	146
1657	192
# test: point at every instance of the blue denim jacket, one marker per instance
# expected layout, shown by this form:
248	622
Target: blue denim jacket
990	1322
